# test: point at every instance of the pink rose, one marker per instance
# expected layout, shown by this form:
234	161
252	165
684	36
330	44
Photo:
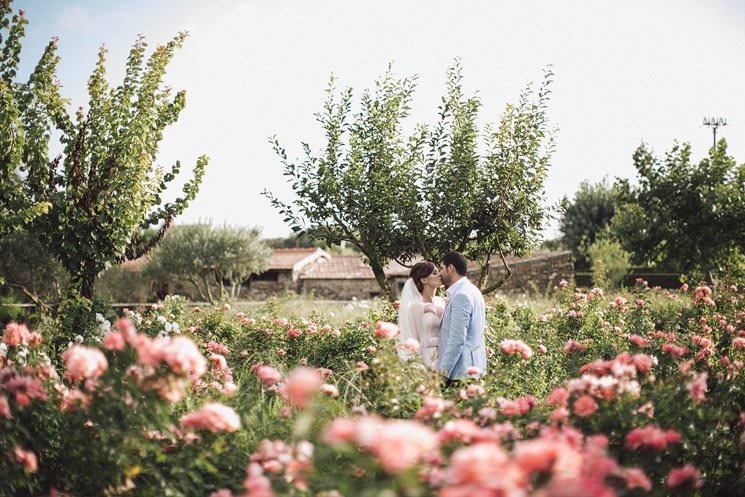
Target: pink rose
686	475
213	417
585	406
114	341
268	375
27	458
386	330
84	363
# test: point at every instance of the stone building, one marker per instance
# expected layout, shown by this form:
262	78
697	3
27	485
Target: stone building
285	268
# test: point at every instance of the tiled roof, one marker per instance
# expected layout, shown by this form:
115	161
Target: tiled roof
339	267
286	258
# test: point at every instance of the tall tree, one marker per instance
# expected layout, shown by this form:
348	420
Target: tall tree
685	216
105	188
394	197
350	191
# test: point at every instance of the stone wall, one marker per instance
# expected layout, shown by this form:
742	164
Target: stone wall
264	289
341	289
534	275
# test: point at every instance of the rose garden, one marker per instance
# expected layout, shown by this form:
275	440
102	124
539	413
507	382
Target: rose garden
607	389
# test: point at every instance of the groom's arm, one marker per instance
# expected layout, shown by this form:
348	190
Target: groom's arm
460	315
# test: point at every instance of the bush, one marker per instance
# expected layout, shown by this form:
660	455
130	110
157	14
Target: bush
610	263
640	392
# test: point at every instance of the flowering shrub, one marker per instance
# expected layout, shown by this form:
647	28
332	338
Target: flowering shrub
637	394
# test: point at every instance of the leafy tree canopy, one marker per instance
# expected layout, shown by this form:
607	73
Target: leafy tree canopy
105	189
685	216
448	187
587	215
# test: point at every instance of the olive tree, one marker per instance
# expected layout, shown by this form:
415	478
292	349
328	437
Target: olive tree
216	260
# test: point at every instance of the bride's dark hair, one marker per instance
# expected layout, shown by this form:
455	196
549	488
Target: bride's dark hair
419	271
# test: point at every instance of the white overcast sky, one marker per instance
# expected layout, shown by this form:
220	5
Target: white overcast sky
626	71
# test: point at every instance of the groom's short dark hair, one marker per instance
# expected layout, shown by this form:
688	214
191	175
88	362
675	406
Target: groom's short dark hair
456	260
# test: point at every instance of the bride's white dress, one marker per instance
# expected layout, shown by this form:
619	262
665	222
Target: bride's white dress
430	335
422	326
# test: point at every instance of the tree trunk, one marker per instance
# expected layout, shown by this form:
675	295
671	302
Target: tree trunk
85	285
484	276
501	281
382	281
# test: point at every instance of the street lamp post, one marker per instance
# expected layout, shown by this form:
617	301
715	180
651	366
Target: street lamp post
715	122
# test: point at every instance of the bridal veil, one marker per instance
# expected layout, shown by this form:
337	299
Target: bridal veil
410	316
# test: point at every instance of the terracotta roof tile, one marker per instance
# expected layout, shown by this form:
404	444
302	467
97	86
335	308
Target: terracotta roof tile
286	258
339	267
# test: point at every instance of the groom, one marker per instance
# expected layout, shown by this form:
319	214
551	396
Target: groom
462	347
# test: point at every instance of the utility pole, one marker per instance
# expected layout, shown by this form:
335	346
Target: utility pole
715	122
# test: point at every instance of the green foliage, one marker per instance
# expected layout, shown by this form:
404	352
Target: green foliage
211	257
22	127
350	191
108	190
484	204
610	263
29	271
393	197
91	204
685	216
587	215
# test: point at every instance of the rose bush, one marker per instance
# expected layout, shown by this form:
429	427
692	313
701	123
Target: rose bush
633	394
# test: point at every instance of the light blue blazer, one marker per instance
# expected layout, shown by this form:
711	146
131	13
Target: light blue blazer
462	332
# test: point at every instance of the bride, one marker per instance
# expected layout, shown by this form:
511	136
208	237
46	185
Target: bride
421	311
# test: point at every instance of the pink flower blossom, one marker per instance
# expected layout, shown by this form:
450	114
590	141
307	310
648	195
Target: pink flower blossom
268	375
362	366
401	444
114	341
473	371
636	478
585	406
184	358
340	430
516	347
213	417
329	390
639	341
482	470
5	408
15	334
558	397
697	388
573	345
27	458
684	476
386	330
84	363
218	348
516	407
301	385
651	437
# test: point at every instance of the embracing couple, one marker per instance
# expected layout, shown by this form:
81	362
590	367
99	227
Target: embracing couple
450	335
